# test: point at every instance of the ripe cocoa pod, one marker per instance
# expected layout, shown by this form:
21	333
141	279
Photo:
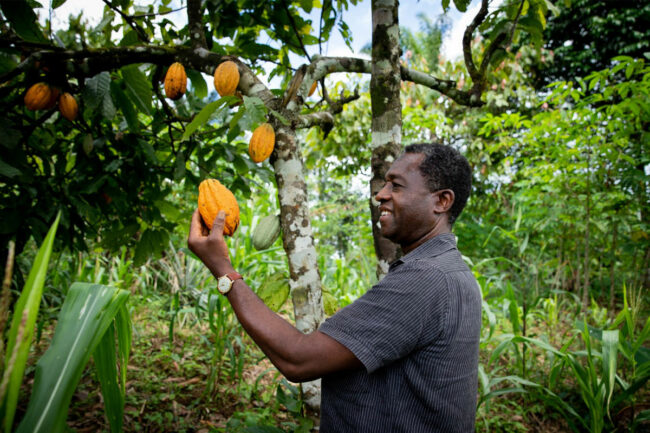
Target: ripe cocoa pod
175	81
68	106
213	197
226	78
262	142
313	88
38	97
266	232
54	97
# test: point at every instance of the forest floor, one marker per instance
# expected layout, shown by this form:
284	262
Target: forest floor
167	386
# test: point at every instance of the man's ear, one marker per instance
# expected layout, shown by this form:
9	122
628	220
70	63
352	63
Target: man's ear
445	199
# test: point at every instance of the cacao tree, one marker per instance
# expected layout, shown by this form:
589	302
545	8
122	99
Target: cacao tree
114	169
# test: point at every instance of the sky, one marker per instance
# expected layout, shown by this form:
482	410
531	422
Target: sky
358	18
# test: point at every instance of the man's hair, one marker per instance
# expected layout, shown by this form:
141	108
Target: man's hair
445	168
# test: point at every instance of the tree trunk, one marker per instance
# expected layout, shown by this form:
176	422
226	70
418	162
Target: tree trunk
298	243
386	115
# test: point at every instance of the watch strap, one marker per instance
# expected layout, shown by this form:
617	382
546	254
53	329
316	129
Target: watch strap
234	276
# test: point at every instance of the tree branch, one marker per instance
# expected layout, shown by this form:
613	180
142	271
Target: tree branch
195	24
467	40
295	30
129	20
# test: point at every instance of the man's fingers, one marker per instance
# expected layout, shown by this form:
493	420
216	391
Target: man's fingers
195	225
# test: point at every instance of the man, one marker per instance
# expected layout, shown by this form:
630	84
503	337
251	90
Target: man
403	357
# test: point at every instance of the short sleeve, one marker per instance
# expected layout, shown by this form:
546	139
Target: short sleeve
404	311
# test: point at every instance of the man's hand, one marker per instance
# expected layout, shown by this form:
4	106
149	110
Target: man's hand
210	246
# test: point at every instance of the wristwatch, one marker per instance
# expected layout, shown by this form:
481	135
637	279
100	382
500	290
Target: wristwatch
225	282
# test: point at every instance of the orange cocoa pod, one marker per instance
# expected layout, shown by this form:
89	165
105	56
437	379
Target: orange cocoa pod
68	106
54	97
262	142
213	197
226	78
38	96
313	88
175	81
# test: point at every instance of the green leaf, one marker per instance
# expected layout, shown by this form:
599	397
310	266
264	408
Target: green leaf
274	291
7	63
461	5
202	117
57	3
198	83
138	88
254	114
106	366
307	5
87	313
280	117
126	106
22	327
330	304
151	243
172	212
610	343
96	89
108	107
23	20
8	171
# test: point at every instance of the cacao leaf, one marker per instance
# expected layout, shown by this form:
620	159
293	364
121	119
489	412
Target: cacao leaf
461	5
23	20
96	88
151	244
138	87
198	83
125	104
203	117
255	113
274	291
8	171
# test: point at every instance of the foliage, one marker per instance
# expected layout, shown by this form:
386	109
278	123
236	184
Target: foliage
91	319
586	34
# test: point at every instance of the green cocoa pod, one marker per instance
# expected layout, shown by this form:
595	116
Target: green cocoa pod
266	232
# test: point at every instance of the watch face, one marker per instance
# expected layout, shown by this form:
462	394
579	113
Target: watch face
223	284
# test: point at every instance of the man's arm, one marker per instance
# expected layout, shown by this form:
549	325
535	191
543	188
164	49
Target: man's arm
300	357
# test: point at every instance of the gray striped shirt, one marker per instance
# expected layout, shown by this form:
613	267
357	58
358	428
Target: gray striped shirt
417	334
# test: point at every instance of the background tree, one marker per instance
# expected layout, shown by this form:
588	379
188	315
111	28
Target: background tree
585	35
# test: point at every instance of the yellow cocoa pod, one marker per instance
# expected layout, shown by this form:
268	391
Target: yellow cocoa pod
175	81
313	88
226	78
38	97
262	142
68	106
213	197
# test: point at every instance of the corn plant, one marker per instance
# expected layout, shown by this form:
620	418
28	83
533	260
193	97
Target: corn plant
91	317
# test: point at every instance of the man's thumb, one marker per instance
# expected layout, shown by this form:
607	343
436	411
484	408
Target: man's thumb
219	221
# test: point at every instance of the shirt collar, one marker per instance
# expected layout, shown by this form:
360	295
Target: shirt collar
431	248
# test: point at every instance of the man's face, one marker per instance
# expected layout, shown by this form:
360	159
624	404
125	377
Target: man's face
405	202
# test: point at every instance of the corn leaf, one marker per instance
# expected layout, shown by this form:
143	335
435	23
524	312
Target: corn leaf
87	312
610	344
22	329
104	357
